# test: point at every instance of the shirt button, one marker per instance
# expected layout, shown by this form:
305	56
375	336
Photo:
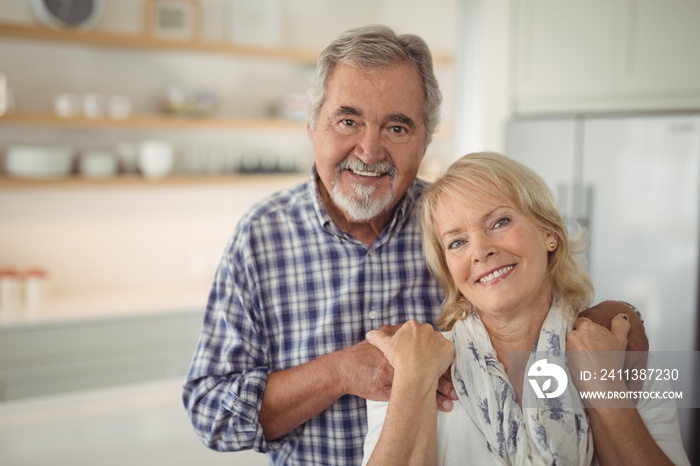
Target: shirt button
373	314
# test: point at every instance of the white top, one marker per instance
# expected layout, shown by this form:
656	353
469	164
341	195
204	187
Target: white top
459	437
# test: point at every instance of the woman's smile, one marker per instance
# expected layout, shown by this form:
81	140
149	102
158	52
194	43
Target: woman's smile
499	273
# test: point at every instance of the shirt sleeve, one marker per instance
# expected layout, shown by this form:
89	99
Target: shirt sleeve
227	377
376	414
661	419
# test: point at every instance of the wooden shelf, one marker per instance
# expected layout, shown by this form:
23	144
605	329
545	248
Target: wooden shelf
74	181
108	39
153	122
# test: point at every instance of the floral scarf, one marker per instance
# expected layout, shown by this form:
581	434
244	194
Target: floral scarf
555	432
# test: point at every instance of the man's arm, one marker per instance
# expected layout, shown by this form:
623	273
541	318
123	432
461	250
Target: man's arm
293	396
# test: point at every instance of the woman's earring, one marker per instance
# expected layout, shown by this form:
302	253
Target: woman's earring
553	244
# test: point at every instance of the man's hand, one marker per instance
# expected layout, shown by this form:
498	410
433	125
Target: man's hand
603	314
365	372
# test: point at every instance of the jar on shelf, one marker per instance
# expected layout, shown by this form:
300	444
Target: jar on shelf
10	288
35	286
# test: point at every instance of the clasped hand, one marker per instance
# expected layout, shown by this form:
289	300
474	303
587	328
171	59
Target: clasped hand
418	351
594	350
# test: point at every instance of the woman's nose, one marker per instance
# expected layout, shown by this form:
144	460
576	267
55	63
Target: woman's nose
482	247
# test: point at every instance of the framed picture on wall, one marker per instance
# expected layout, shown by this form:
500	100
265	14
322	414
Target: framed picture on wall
172	19
255	22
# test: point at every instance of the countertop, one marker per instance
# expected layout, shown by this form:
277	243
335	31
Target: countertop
136	424
105	304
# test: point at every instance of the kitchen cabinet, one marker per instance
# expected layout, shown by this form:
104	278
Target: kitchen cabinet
661	47
76	354
606	55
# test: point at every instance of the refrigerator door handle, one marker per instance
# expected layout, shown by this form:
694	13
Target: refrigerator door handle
583	205
587	207
563	199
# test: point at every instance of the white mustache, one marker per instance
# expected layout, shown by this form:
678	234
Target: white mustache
358	165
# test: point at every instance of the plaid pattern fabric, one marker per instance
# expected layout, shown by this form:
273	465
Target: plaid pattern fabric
291	287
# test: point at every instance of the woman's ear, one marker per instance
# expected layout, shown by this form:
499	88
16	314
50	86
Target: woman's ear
552	241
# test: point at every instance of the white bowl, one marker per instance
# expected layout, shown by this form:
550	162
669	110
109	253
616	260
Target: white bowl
38	161
97	164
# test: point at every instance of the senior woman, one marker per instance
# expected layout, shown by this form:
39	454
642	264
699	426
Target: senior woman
495	239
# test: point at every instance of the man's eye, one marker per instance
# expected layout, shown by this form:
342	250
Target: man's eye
398	130
347	122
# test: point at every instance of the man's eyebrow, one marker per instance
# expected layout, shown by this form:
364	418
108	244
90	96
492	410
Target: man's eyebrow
346	110
400	118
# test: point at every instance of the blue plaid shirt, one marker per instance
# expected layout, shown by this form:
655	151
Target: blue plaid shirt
291	287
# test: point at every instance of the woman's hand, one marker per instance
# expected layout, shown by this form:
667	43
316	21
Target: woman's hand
419	356
620	435
603	313
589	336
596	350
415	349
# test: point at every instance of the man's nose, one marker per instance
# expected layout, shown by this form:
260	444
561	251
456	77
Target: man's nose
370	146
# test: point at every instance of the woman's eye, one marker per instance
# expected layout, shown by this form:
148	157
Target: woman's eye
501	222
455	244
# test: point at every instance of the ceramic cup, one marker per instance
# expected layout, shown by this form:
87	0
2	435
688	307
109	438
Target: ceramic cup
155	159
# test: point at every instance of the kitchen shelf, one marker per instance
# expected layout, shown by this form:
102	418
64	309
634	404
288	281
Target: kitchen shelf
76	181
110	39
154	122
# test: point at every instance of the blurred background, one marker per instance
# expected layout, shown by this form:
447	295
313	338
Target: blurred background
135	133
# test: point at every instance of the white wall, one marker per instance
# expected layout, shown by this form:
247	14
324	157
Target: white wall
483	95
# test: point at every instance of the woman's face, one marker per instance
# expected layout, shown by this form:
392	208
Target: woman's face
497	257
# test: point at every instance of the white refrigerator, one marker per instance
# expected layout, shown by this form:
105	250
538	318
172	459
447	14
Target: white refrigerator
634	183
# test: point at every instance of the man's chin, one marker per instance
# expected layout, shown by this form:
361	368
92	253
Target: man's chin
363	210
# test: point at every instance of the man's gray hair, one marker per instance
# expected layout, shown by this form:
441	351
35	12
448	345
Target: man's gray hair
372	47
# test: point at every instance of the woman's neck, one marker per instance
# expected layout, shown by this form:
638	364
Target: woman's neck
517	330
513	337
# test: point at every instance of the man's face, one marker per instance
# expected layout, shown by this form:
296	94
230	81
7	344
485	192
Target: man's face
369	138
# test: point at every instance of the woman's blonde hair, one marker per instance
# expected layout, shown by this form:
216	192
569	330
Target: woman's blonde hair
480	173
